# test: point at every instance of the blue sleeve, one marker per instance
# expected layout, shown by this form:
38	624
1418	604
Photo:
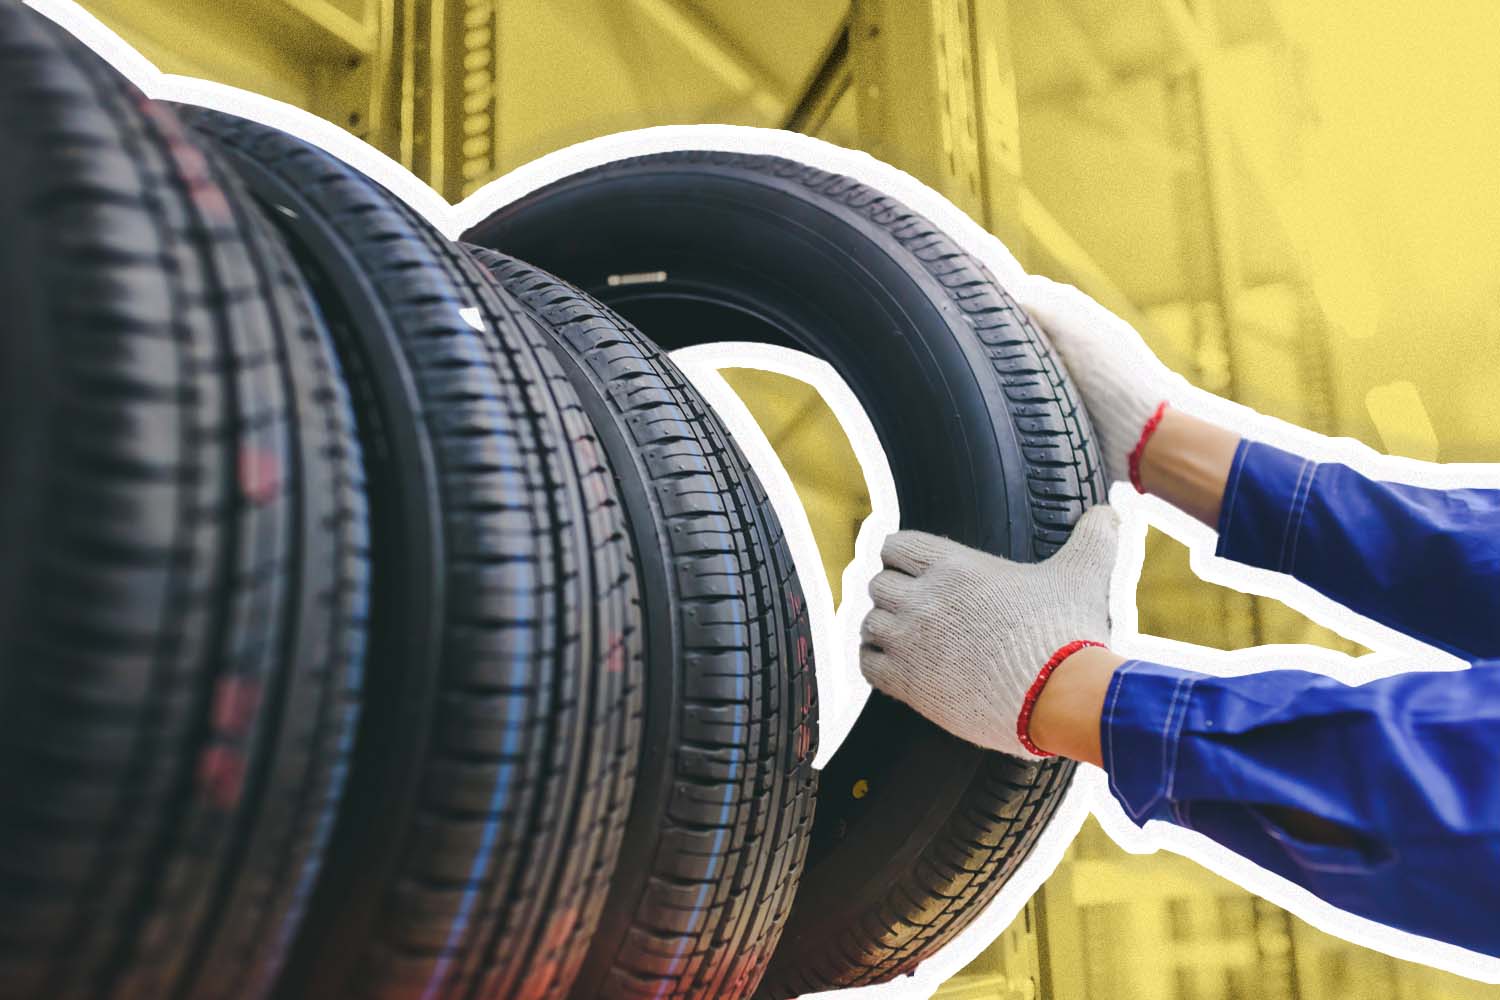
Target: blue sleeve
1408	763
1423	561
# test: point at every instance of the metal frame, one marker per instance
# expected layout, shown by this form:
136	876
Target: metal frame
827	86
717	52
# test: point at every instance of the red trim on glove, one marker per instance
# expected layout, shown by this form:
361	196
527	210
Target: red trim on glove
1140	446
1023	721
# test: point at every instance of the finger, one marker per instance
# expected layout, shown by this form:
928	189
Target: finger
1048	301
1094	540
889	589
913	552
876	665
878	628
1073	320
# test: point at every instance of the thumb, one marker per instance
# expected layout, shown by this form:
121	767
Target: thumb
1058	307
1094	540
1076	322
1046	302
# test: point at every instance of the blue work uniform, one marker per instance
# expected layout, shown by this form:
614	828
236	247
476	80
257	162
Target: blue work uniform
1409	763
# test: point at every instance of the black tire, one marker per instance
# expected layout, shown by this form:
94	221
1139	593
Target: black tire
987	445
723	806
182	619
495	760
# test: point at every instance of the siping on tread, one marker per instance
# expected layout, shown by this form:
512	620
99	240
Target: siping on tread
724	798
160	607
966	863
282	848
477	845
891	877
1063	471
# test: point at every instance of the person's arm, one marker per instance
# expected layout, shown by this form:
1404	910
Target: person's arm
1186	462
1401	769
1426	562
1423	561
1378	798
1066	722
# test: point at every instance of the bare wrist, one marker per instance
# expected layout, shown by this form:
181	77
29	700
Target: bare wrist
1186	462
1148	431
1065	716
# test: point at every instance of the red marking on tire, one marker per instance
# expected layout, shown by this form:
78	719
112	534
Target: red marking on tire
615	661
560	928
260	474
542	976
235	701
192	166
739	973
221	776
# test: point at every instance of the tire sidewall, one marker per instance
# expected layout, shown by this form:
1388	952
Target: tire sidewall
923	393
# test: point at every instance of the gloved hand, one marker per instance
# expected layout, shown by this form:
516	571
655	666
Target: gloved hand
1122	383
962	636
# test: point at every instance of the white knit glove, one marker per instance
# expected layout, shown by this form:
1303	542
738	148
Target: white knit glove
961	635
1121	381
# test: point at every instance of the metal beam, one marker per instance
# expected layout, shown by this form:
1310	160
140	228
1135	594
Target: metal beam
444	54
358	34
915	93
1205	127
1051	240
1212	240
830	81
310	53
998	121
474	98
1185	31
1098	75
718	53
1038	96
627	36
1089	102
935	95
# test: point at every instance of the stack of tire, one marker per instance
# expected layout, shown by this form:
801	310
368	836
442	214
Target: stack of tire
382	616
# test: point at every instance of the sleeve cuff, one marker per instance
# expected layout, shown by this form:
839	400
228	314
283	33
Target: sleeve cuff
1264	500
1139	730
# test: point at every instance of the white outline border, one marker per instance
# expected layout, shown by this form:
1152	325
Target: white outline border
1089	792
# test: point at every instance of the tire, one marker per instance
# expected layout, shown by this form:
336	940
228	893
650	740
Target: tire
987	445
723	806
182	619
495	758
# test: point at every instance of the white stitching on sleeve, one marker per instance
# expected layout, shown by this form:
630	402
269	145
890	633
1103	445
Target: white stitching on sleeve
1291	513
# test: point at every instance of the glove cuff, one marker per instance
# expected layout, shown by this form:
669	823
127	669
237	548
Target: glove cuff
1023	721
1135	453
